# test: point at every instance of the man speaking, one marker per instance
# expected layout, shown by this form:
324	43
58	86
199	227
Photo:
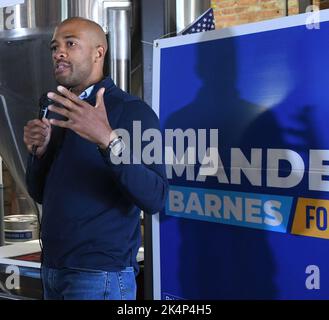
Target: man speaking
91	204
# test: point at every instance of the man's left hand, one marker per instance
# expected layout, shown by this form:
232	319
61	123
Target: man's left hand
89	122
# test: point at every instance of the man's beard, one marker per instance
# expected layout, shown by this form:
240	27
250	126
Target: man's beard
74	79
68	81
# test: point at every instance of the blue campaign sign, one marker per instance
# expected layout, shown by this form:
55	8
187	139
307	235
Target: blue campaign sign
248	219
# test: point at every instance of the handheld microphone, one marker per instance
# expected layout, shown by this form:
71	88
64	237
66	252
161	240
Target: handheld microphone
44	103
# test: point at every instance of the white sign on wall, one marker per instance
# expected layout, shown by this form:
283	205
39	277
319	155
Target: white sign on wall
9	3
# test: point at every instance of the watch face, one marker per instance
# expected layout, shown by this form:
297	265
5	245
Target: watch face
118	148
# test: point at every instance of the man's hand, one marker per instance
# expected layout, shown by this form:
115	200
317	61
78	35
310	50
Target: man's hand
87	121
37	133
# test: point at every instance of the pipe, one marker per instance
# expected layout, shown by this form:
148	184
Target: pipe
188	11
154	25
286	8
119	21
2	210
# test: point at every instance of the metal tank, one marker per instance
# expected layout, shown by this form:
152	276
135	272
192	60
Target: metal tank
26	28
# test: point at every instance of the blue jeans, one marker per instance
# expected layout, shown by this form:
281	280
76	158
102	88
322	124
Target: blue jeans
82	284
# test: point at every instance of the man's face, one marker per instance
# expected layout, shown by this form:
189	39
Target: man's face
72	54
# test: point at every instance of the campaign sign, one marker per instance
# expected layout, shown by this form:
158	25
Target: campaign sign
248	206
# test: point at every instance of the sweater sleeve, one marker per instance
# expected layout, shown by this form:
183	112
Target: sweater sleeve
37	169
143	182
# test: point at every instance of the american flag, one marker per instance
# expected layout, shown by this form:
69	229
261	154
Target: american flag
205	22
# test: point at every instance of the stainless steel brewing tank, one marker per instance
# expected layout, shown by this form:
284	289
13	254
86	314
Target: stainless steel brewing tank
25	73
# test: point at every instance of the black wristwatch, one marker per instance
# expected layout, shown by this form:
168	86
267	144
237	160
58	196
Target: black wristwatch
115	147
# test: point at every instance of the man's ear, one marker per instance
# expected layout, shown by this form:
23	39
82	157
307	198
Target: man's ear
100	53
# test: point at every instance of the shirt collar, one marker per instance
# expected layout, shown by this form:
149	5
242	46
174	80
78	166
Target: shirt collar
86	93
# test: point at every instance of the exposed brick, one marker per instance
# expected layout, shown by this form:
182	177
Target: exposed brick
269	5
323	4
232	10
235	12
247	2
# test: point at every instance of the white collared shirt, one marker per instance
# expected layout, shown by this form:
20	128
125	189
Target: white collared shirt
86	93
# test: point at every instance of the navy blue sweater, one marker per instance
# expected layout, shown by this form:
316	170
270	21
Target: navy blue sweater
91	207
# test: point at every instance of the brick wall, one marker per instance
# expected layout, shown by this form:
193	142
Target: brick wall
234	12
323	4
